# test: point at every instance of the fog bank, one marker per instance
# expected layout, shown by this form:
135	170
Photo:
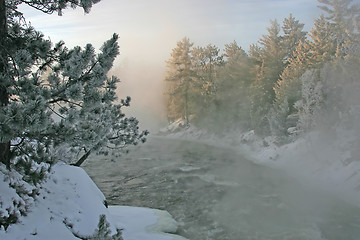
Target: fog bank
143	82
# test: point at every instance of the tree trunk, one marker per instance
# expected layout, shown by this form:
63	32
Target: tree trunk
187	103
82	159
4	95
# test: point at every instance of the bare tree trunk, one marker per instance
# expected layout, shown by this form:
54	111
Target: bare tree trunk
82	159
187	120
4	95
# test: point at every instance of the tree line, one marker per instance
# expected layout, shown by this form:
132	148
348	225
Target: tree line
280	87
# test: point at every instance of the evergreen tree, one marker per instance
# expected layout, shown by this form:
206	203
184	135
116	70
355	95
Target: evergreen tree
288	87
312	100
180	81
343	16
53	97
233	52
278	119
293	35
233	97
308	54
270	56
322	44
206	63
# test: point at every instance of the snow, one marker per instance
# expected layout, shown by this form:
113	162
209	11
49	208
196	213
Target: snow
157	223
70	202
8	195
180	129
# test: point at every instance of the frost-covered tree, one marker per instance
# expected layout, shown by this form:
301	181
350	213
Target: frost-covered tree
288	87
269	56
334	35
53	100
53	97
277	117
312	100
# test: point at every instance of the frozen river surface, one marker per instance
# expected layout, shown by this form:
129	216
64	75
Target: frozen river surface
217	194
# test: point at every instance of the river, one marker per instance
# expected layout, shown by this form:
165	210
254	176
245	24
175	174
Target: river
215	193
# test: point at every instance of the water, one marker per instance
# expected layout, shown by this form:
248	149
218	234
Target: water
216	194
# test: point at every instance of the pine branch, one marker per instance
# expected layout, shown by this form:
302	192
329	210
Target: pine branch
49	7
18	144
56	113
70	83
64	100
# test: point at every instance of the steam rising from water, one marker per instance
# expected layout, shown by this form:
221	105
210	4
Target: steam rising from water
143	82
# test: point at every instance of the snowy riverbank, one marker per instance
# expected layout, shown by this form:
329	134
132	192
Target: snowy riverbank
70	204
331	165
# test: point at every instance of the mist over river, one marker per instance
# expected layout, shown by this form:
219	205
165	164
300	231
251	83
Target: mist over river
215	193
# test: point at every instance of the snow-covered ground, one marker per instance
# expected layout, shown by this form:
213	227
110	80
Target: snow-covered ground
70	204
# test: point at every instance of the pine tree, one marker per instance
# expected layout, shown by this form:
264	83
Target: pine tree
53	97
288	87
278	116
103	231
312	100
332	36
296	50
293	35
180	81
233	97
233	52
270	58
322	44
206	63
344	18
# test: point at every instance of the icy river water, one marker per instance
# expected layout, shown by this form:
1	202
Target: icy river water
215	193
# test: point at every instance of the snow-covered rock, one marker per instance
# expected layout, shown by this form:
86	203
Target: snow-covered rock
70	204
181	129
145	223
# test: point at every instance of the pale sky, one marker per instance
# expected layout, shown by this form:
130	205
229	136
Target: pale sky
149	29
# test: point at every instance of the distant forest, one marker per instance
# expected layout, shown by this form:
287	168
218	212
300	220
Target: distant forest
289	82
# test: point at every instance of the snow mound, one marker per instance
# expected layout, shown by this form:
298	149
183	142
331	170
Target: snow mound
158	224
70	205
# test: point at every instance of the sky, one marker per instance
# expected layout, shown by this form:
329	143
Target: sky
149	30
